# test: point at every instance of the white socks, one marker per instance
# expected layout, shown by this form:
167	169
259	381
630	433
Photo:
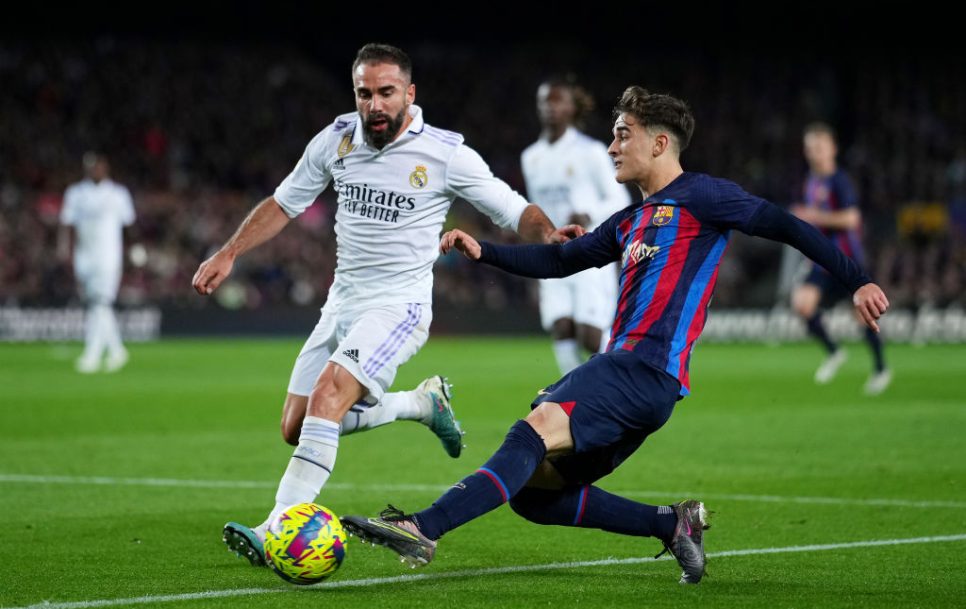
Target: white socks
309	468
567	352
400	405
101	333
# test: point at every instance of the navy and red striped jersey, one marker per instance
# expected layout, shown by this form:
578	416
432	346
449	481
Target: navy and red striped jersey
669	246
835	192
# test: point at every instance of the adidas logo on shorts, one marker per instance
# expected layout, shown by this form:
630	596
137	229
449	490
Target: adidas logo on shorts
352	354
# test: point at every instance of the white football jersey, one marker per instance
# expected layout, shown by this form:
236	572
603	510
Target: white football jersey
98	212
573	175
392	204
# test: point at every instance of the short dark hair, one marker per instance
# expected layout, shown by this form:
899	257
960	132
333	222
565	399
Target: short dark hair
820	127
384	53
583	100
657	110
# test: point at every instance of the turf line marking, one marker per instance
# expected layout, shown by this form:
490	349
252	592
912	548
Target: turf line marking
375	581
390	488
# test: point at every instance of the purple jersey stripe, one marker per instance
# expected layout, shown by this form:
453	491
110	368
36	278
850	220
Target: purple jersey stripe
393	336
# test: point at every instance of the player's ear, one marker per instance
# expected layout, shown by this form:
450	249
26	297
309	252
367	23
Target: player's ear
411	93
661	144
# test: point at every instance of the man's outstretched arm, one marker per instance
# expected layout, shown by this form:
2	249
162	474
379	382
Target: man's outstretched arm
263	223
540	260
774	223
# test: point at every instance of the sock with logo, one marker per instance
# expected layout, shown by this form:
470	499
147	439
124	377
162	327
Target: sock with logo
309	468
396	406
490	486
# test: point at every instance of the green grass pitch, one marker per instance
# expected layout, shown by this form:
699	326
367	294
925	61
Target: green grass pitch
116	486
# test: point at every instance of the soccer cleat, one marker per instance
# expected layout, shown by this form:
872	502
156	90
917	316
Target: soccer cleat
396	531
442	421
116	361
687	542
245	543
830	367
87	365
878	382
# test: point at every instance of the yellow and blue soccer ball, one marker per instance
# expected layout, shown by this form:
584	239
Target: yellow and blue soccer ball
305	544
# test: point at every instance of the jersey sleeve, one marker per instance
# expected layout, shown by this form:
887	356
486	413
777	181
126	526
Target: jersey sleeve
597	248
127	207
68	213
725	205
612	196
309	178
469	177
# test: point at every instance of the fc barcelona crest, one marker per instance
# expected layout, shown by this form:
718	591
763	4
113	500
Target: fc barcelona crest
662	215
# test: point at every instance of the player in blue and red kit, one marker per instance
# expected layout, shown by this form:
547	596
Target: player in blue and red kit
583	426
831	205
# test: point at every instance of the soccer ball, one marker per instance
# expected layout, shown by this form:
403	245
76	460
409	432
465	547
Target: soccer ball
305	544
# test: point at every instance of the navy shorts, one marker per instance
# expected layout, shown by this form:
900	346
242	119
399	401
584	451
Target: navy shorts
832	290
615	401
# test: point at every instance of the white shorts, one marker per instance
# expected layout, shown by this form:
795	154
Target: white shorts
98	285
589	297
371	344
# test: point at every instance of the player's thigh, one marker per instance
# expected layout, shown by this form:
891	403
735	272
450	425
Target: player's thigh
100	285
552	423
613	401
556	301
335	391
314	355
806	298
378	341
595	300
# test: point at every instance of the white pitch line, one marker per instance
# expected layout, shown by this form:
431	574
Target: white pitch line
433	488
375	581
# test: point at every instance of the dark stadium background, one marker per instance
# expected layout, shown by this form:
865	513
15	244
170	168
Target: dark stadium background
203	109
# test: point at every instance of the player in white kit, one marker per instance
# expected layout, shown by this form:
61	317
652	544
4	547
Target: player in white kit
94	215
395	177
570	176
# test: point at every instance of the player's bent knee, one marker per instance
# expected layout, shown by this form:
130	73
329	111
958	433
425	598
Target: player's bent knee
552	423
334	393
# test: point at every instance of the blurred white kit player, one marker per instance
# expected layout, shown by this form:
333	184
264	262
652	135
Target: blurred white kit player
571	177
395	178
98	209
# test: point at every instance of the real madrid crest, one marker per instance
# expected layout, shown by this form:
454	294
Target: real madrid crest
662	215
345	146
419	178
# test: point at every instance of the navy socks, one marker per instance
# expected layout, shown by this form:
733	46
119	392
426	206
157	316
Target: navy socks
490	486
594	508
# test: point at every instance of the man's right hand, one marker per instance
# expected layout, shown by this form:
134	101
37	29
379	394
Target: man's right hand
463	242
212	272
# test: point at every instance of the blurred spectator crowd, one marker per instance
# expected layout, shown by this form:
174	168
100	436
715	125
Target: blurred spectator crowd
201	132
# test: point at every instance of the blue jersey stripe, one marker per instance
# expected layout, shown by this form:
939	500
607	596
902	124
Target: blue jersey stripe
695	292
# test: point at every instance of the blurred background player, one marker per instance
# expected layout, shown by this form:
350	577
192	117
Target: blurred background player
395	177
831	205
94	215
570	176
